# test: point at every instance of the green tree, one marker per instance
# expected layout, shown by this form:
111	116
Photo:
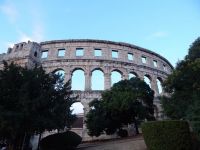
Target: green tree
128	101
183	85
32	101
194	50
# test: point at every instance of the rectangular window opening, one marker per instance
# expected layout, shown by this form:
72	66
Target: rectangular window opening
44	54
130	56
79	51
114	54
144	59
61	52
97	52
164	68
155	63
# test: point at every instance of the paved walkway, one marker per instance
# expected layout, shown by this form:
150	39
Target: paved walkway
134	143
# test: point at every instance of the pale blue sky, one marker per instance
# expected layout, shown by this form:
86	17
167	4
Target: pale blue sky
166	27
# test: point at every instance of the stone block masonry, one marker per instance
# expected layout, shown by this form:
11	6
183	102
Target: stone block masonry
70	55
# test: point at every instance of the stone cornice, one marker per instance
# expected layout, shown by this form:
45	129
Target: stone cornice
105	61
107	42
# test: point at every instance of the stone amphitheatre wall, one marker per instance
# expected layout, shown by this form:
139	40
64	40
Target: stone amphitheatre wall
126	59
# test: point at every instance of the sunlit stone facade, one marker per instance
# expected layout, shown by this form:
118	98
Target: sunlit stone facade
89	55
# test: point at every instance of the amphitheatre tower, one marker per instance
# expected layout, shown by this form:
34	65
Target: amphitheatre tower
88	56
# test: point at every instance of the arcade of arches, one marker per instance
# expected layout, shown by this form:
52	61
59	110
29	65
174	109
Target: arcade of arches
96	80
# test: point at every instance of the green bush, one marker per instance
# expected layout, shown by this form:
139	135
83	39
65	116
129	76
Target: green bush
196	128
61	141
195	141
167	135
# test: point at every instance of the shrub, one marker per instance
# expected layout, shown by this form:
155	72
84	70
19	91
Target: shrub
195	141
167	135
122	133
196	128
61	141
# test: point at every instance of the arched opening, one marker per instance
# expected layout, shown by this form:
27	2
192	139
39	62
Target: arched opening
60	81
159	85
97	80
132	75
116	76
147	79
78	80
60	73
78	109
35	54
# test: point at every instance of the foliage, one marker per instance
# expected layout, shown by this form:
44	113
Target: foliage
165	135
32	101
128	101
183	85
61	141
194	50
96	118
193	115
195	140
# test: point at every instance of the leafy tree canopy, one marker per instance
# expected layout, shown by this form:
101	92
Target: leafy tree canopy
183	85
194	50
128	101
32	101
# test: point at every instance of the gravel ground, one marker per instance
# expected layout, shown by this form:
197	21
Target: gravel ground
134	143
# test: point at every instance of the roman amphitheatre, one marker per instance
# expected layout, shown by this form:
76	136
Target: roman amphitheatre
89	57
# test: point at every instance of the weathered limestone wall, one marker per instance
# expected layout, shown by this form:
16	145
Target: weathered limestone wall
23	54
29	54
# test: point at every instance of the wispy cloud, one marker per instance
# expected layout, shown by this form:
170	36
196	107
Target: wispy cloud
158	34
9	44
37	34
37	22
23	37
34	21
10	11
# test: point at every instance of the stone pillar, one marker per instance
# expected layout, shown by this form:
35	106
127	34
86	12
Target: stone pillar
140	75
48	70
107	81
125	76
68	74
154	86
88	81
85	135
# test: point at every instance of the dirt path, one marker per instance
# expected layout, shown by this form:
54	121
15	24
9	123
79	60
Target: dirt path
136	143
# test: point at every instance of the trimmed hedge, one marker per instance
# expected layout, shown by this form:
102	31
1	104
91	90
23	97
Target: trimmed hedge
61	141
167	135
196	128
